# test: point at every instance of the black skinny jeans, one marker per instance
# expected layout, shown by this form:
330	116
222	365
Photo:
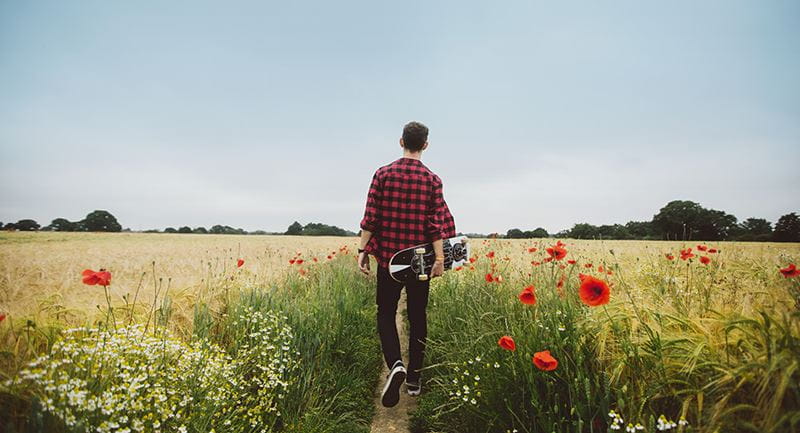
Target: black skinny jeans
388	294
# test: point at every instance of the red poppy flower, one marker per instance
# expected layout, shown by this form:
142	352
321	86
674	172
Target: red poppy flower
686	254
532	249
298	262
507	343
315	260
562	267
472	259
571	262
600	269
547	259
239	263
594	291
705	260
472	268
588	266
609	273
560	283
582	276
458	268
2	317
302	271
101	277
669	256
535	263
702	248
490	255
498	279
712	250
528	296
560	244
790	271
291	262
544	361
557	252
489	278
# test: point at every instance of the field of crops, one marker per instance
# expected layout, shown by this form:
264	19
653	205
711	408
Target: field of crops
259	333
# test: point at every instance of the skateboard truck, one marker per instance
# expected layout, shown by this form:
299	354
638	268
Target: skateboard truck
420	253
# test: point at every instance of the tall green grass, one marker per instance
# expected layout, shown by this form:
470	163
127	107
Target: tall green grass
674	341
300	356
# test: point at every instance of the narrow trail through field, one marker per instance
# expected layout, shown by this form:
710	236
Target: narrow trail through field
394	419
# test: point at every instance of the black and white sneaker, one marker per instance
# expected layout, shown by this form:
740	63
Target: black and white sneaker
413	388
391	391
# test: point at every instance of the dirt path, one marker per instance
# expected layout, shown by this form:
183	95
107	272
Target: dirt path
394	419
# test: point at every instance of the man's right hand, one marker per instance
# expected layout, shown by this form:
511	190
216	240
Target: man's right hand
437	270
363	262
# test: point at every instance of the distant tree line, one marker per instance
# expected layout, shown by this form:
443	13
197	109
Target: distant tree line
104	221
687	220
97	221
678	220
683	220
317	229
519	234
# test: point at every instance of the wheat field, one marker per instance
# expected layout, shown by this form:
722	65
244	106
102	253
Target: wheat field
709	337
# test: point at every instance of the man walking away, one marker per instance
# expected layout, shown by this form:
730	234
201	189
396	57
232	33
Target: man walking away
405	207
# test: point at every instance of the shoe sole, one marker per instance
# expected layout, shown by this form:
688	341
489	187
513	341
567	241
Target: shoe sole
414	393
391	391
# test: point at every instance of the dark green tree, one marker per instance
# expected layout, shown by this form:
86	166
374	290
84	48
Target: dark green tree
170	230
217	229
185	229
62	225
295	229
201	230
715	225
583	231
27	225
754	229
615	231
539	233
100	221
787	229
640	229
678	219
515	234
319	229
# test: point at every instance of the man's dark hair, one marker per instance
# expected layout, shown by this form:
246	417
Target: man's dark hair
415	135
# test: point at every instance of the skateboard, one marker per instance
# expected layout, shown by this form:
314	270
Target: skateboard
415	263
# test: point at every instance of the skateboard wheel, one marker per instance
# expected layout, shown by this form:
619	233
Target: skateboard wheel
419	251
423	277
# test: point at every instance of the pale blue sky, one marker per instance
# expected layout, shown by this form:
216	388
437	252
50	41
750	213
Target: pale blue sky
255	114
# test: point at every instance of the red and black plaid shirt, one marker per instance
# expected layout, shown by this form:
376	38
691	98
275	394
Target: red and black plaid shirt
405	207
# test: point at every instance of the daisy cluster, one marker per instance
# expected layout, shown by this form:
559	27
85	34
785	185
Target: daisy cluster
264	363
662	424
126	381
466	381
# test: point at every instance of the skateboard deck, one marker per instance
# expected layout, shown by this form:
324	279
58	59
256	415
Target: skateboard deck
415	263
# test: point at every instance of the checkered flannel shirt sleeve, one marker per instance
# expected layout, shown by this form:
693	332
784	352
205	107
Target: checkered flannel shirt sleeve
370	220
446	221
438	222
